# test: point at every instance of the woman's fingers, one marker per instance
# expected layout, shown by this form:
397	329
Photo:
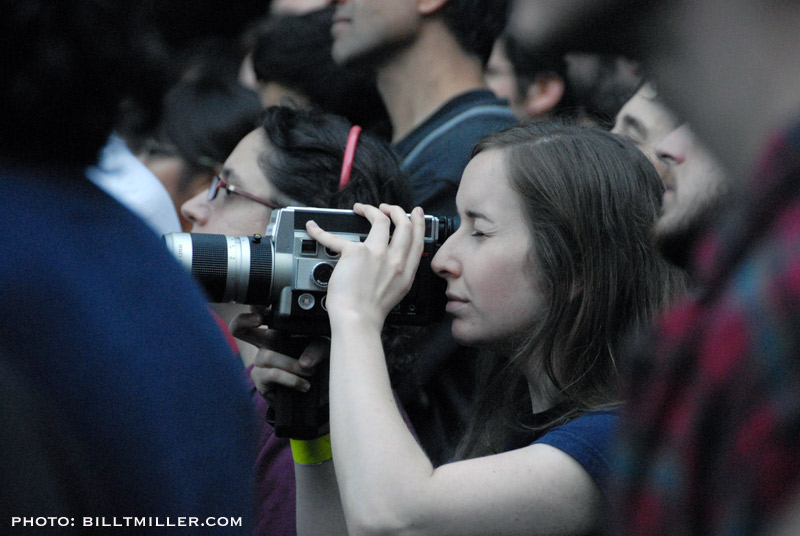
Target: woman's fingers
379	232
267	379
372	276
328	240
272	369
271	359
247	327
408	237
418	238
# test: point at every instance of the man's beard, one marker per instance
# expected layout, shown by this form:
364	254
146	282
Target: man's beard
677	243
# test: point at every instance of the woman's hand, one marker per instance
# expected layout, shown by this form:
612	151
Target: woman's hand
274	365
372	277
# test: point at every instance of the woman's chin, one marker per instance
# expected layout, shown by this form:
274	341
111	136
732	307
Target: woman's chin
467	337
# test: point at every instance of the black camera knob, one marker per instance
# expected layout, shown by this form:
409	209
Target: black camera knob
321	274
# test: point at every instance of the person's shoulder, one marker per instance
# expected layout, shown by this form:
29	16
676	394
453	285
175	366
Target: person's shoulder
590	434
598	422
477	105
588	439
454	128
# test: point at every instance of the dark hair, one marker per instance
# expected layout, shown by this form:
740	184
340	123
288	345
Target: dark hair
71	69
590	199
203	119
295	51
307	161
476	24
528	65
67	66
595	93
603	85
306	166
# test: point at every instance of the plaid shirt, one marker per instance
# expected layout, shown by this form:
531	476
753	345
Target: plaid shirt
710	443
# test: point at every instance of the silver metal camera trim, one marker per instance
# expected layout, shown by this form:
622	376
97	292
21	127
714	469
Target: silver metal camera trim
237	265
180	244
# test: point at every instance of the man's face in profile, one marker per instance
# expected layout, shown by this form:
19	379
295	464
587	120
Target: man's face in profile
695	186
646	121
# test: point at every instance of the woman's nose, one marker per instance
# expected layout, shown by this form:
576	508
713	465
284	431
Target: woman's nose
444	263
196	209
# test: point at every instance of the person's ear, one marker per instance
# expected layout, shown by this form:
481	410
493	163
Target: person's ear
427	7
543	95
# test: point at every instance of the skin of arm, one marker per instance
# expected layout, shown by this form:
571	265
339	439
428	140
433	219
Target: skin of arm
318	507
319	510
387	484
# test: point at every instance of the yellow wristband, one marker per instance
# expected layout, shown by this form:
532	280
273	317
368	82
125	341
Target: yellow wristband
311	452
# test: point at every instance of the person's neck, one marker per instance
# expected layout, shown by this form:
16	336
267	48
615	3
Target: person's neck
544	394
423	77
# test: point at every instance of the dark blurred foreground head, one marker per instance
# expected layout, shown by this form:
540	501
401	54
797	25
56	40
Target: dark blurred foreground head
71	69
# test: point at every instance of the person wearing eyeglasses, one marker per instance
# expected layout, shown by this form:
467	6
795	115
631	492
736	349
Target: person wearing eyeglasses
203	119
294	158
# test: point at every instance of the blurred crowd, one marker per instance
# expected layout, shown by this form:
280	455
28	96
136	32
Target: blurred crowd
619	354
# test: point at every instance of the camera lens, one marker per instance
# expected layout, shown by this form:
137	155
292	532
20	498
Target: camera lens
321	274
229	268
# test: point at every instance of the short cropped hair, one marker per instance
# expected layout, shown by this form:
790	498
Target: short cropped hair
204	118
476	24
295	51
72	69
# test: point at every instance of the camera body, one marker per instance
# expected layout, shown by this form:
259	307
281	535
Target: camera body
288	271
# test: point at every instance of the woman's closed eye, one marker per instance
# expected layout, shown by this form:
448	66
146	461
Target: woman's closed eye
480	234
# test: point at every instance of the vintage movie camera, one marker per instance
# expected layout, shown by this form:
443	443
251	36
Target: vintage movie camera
288	271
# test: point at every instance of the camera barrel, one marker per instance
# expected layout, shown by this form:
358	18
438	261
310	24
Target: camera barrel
231	269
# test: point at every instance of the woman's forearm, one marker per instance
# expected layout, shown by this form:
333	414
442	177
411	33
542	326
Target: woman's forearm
319	510
379	464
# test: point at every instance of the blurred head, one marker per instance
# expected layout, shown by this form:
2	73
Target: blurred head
294	159
73	71
584	88
291	57
600	84
695	187
555	227
369	32
534	84
711	59
645	120
500	75
203	119
67	68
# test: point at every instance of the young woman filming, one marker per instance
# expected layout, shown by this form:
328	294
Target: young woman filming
550	268
294	157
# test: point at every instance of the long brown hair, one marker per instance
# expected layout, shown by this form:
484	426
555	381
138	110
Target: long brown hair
590	199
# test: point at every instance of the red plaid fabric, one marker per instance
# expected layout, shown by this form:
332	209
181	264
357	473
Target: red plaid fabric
710	441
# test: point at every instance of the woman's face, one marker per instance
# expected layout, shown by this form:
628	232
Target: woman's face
233	214
491	282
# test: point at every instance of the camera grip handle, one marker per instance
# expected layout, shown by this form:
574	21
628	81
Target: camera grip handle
299	415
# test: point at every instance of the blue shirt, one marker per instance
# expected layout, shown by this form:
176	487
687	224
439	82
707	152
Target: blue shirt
589	439
435	153
101	318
